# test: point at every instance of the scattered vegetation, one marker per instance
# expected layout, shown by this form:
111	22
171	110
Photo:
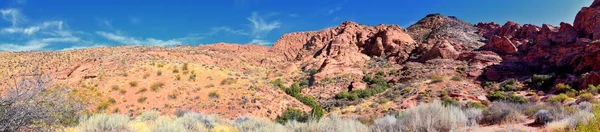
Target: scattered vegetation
213	95
506	96
564	88
156	86
437	78
133	83
228	81
379	85
541	82
142	99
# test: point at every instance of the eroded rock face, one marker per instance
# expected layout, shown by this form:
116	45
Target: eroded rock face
344	49
501	44
434	28
587	21
441	50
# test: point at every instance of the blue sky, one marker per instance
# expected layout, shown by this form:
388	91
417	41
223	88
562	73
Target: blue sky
74	24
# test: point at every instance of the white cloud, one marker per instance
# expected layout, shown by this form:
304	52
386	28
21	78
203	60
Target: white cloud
122	39
335	9
12	15
259	41
227	30
33	29
261	27
83	47
36	44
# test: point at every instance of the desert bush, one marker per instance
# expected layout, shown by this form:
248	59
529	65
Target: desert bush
185	66
564	88
331	123
213	95
506	96
541	81
593	89
148	116
291	114
191	122
278	83
156	86
502	112
142	99
252	124
165	124
542	117
158	73
104	123
425	117
591	125
228	81
477	105
588	97
474	115
436	78
450	101
558	99
133	83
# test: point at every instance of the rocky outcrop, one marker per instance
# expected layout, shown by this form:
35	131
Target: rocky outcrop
344	49
501	44
441	50
587	21
436	27
568	50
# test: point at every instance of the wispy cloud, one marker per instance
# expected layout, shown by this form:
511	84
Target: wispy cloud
36	44
13	15
83	47
260	42
335	9
229	30
123	39
260	27
31	30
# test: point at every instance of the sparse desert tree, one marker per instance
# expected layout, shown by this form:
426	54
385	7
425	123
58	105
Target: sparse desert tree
28	103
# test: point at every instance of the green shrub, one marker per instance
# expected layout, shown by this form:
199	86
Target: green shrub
557	99
317	113
563	88
159	73
450	102
589	97
593	89
541	81
305	82
291	114
510	85
504	96
277	82
477	105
